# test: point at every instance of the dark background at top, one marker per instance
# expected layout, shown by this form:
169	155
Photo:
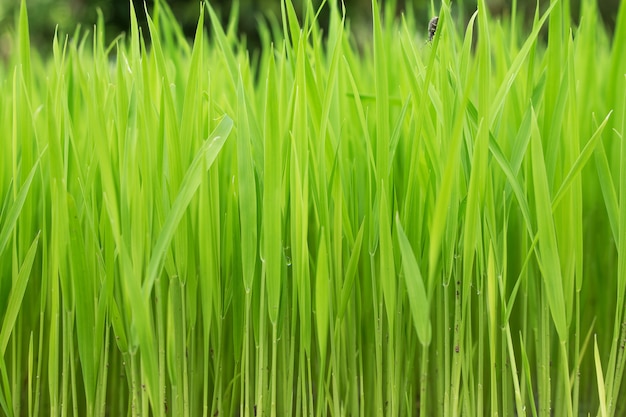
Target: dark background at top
44	15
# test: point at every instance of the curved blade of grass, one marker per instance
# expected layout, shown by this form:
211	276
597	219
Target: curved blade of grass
520	59
16	296
350	276
15	210
608	190
397	130
549	262
200	164
580	162
510	169
118	327
416	292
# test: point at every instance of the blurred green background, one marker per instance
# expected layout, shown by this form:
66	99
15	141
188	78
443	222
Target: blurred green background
45	15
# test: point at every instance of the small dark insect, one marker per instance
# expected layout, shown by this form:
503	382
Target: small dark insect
457	349
432	27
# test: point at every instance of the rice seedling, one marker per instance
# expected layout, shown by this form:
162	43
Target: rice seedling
323	226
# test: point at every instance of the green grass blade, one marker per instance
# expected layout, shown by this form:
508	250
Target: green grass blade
516	65
599	377
85	302
14	211
415	290
247	190
608	190
351	273
387	266
272	201
548	251
203	160
16	296
580	162
322	294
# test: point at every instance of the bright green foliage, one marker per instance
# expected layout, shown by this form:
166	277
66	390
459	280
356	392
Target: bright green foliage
331	225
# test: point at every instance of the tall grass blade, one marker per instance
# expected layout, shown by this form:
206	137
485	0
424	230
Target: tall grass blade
415	290
16	296
201	163
548	252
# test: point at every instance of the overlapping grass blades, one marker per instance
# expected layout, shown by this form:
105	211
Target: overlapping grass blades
324	226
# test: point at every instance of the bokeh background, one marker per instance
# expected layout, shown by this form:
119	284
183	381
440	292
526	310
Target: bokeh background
46	15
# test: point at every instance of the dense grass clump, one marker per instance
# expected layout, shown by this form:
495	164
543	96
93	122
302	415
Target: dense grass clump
326	226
